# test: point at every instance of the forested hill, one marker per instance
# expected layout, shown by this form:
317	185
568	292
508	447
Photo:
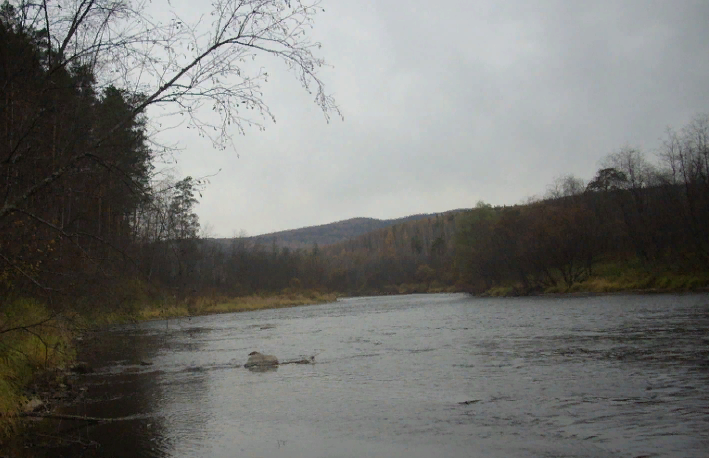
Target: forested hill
328	234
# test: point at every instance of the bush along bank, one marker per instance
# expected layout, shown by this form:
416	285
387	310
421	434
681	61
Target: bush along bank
35	349
616	277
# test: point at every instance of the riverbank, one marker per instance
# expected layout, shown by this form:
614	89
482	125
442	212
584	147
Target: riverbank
33	342
200	305
614	279
38	347
606	278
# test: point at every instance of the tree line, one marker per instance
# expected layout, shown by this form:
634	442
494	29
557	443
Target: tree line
88	202
634	208
419	253
650	211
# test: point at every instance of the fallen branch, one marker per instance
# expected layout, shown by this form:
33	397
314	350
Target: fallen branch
56	416
300	361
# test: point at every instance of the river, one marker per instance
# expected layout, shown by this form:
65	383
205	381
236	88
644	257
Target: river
409	376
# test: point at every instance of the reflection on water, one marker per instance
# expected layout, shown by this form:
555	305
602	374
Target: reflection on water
411	376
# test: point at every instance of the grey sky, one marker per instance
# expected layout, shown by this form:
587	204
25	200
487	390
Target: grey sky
453	101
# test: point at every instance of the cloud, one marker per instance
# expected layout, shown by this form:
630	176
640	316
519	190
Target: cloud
449	102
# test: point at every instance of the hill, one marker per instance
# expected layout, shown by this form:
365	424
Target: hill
329	234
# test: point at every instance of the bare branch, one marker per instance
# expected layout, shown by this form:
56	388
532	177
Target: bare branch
29	277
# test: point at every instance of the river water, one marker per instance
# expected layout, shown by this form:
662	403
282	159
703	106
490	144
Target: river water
410	376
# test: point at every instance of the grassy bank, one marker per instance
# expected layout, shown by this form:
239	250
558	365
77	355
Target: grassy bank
433	287
33	340
203	305
617	277
163	308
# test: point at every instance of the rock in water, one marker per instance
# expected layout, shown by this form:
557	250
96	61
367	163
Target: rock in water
257	359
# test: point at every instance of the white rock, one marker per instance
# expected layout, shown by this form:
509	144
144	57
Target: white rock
33	405
257	359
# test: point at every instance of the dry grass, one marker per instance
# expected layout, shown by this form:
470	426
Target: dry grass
31	339
618	277
154	312
665	282
210	305
248	303
500	291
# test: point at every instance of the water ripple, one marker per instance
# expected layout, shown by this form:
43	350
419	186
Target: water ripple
415	376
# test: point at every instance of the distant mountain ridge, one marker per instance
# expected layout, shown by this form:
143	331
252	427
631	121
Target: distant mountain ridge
331	233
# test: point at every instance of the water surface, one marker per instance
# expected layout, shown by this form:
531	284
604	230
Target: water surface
411	376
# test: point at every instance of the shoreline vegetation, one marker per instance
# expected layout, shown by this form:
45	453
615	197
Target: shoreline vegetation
607	278
614	278
202	305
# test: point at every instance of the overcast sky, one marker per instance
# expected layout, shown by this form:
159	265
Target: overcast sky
451	101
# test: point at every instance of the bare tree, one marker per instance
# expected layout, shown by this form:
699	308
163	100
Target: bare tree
197	67
631	162
629	174
565	186
685	156
686	153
